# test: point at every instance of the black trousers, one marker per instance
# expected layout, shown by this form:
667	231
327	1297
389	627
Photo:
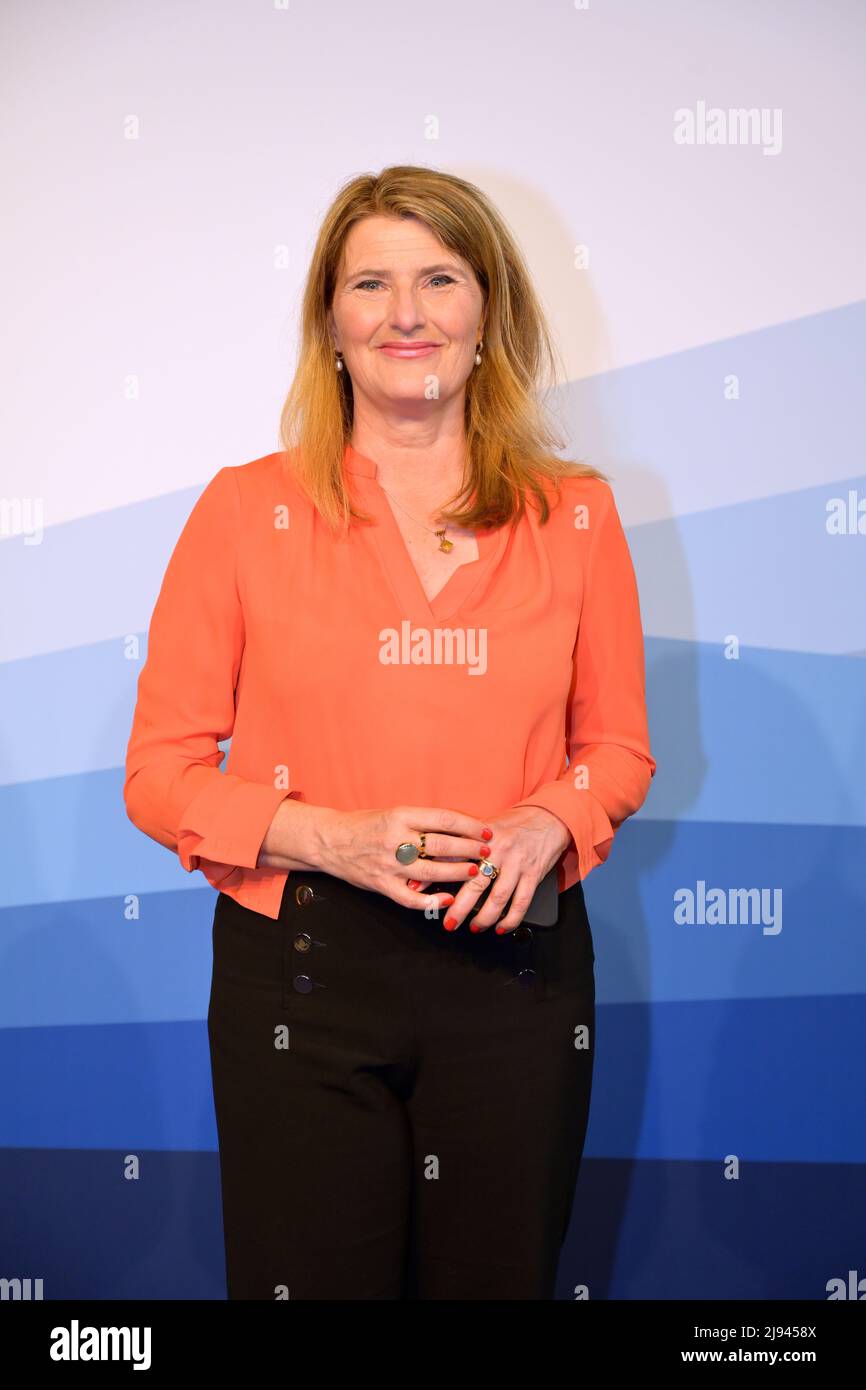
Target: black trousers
401	1110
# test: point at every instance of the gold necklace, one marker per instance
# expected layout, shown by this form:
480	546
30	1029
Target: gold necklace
443	543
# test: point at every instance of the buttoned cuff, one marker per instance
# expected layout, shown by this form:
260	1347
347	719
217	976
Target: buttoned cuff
227	824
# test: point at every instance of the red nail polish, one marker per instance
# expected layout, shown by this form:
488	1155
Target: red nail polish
487	834
473	926
483	852
450	923
500	930
414	883
448	900
473	870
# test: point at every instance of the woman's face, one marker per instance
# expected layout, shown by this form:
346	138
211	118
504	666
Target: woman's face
398	285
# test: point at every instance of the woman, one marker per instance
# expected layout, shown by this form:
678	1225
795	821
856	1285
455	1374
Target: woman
405	619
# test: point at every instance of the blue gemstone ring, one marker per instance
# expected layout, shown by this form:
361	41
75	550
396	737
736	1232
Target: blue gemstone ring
489	870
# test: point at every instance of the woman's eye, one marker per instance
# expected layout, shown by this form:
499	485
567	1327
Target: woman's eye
364	284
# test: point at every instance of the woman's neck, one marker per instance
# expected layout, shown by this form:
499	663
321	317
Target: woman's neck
425	471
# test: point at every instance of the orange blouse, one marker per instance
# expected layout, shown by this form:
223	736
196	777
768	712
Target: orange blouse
341	685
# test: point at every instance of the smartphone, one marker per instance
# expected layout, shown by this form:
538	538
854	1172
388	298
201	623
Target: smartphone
543	911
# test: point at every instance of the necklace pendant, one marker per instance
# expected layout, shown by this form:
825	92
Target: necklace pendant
443	543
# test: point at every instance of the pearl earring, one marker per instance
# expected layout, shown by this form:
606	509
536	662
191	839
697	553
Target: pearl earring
339	361
478	353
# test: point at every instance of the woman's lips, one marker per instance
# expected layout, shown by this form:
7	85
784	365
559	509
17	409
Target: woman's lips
410	350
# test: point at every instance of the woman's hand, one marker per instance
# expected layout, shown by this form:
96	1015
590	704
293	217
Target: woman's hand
359	847
526	844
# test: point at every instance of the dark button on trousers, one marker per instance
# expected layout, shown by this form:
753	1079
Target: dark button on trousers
401	1110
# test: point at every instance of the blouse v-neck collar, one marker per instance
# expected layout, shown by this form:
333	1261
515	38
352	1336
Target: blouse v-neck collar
397	563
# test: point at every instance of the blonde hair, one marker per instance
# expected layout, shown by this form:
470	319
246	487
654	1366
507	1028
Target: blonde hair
508	436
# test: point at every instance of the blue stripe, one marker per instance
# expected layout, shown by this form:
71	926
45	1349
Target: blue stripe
767	1080
156	968
639	1230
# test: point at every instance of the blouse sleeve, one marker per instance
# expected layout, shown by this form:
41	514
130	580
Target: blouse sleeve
174	790
607	739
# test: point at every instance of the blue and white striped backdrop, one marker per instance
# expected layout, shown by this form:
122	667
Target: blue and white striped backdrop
168	167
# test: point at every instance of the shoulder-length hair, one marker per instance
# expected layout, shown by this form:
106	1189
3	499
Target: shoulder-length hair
509	437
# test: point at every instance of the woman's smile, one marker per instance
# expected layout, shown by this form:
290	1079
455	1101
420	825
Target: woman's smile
409	349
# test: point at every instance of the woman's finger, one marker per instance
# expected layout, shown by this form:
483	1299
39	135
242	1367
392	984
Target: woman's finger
466	898
523	895
437	818
455	847
408	897
499	890
437	870
521	887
